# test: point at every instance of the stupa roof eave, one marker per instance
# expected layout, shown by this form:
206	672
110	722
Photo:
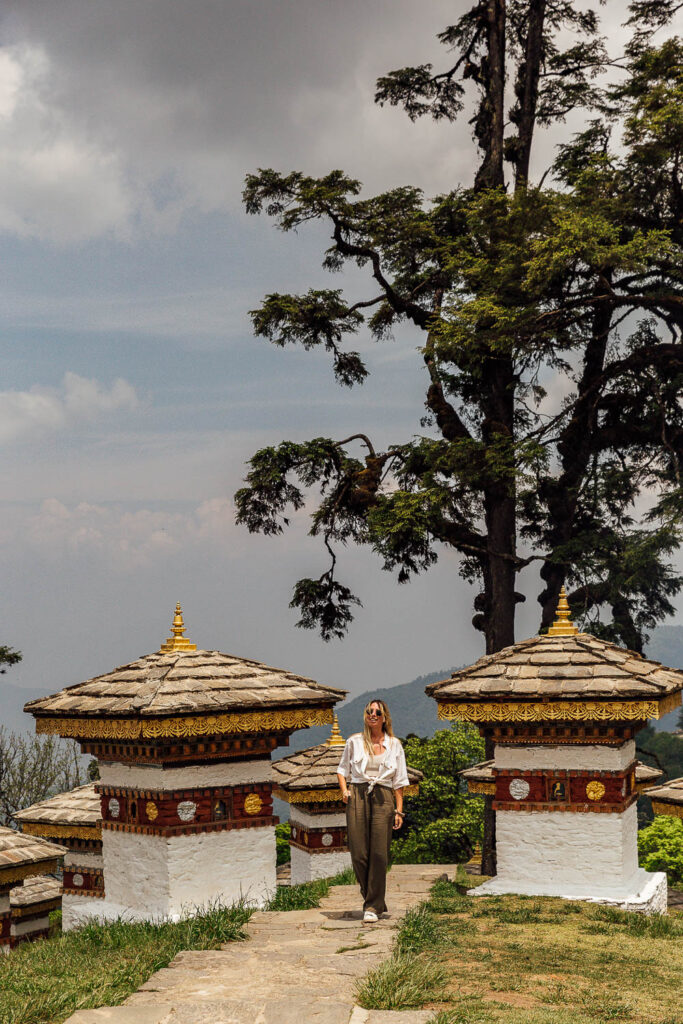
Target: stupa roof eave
23	855
185	684
77	808
559	668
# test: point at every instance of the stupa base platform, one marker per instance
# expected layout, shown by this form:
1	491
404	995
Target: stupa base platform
645	893
80	912
308	867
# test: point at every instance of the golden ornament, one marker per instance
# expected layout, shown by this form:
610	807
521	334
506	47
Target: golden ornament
151	810
253	803
595	790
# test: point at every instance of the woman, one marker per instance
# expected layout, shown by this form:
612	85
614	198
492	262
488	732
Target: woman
372	773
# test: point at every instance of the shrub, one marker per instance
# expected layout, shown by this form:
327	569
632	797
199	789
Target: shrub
660	847
442	823
282	833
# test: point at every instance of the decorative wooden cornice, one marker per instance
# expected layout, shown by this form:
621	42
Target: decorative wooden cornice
673	810
191	726
326	796
22	871
566	711
62	831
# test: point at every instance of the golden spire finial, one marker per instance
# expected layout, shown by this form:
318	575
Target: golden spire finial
335	739
177	642
563	625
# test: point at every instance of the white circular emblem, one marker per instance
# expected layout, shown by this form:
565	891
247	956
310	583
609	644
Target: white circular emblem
78	881
187	810
327	839
519	788
114	807
293	832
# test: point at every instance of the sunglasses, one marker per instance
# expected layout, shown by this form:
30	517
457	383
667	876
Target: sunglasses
375	714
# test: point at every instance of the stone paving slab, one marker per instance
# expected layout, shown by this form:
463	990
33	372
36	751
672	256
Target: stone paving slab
297	967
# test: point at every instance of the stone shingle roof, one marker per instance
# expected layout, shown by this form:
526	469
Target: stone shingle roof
668	793
482	772
19	851
38	889
316	768
79	806
646	776
579	667
186	683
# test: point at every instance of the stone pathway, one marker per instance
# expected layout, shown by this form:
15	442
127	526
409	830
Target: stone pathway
297	967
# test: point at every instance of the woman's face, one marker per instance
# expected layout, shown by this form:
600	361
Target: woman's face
374	715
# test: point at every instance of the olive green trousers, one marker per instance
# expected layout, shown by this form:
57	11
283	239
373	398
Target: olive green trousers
369	821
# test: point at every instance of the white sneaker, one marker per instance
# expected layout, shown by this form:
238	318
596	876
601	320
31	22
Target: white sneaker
370	915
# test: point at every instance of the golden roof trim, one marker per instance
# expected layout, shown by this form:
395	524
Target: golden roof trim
35	828
314	796
488	788
18	873
308	796
569	711
672	810
183	728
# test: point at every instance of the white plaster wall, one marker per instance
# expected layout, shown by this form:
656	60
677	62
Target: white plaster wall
306	867
78	910
136	872
26	927
137	776
4	902
75	858
298	816
238	864
550	849
591	757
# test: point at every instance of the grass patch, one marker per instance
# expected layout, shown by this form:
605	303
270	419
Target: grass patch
402	981
308	894
45	982
530	960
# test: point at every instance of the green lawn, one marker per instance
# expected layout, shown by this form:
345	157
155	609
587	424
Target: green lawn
475	960
45	982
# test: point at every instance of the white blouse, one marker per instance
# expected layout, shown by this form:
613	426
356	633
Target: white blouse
392	773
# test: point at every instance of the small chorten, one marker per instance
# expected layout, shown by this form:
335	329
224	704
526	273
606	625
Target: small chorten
183	738
21	858
563	710
31	905
307	780
73	819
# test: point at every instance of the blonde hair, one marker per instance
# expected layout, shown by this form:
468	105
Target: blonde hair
386	722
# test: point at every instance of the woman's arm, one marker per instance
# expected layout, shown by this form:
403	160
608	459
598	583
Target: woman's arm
398	817
343	787
344	770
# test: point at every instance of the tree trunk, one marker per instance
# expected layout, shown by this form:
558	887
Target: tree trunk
500	598
529	74
488	847
490	121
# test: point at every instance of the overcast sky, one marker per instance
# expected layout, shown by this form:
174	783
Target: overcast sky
132	390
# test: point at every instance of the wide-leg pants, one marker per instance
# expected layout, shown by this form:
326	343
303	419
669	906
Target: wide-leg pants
369	820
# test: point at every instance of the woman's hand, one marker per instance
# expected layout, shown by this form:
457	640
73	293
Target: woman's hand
345	796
